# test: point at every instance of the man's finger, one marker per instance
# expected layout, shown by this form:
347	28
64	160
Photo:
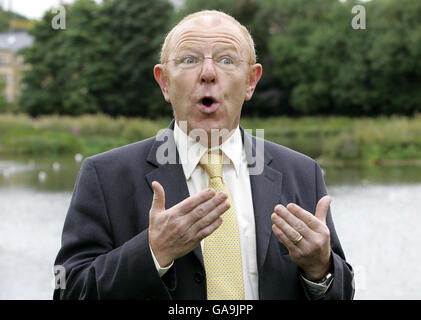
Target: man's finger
192	202
209	229
322	208
289	231
205	208
283	237
302	214
298	222
210	219
158	201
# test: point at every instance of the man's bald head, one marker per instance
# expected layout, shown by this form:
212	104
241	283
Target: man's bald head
208	16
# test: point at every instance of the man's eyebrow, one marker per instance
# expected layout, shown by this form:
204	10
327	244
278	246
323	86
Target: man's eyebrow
188	48
220	48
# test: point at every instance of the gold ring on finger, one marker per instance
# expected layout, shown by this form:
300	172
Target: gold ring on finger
297	241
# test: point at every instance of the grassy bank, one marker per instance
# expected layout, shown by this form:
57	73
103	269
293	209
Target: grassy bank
328	139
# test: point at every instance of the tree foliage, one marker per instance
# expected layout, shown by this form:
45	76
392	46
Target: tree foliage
101	62
330	68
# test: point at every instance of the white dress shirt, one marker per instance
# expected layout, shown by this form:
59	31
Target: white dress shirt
236	176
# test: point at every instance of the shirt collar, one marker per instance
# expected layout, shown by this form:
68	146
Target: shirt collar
190	151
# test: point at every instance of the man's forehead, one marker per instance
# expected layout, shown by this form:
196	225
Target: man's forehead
209	26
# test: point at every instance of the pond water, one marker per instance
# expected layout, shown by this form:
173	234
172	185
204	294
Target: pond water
376	211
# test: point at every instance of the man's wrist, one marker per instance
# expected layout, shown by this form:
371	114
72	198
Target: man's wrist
161	270
319	276
325	280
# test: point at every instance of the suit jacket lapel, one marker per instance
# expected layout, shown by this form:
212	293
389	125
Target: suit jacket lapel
266	189
169	175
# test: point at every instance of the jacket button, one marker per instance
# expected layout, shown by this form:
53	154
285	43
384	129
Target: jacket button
198	277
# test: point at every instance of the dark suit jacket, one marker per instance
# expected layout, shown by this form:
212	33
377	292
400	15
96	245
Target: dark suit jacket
105	249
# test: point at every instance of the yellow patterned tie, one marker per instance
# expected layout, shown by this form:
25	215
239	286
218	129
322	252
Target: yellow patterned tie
221	250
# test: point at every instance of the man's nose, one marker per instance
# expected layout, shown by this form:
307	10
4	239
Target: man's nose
208	74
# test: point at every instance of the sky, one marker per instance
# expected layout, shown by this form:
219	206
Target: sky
32	9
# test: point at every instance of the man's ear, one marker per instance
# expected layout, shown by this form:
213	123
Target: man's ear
161	77
254	77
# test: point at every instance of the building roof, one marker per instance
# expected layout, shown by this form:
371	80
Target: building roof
15	40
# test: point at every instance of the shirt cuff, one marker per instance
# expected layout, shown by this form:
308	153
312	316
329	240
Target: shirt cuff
314	289
161	271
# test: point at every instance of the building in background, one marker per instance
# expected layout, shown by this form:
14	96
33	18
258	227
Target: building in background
11	62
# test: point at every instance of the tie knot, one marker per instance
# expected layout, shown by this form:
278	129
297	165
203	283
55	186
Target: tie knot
212	163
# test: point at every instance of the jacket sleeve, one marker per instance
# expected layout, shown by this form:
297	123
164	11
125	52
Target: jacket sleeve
94	267
342	286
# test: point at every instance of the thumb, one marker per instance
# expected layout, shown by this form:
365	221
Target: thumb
158	201
322	208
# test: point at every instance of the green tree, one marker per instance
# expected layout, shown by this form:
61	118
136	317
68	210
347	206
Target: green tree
43	82
330	68
138	29
292	44
395	56
101	62
88	68
4	104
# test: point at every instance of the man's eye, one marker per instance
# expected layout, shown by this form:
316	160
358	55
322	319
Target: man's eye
189	60
226	60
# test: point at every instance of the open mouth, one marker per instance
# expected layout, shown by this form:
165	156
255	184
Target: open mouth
207	101
208	104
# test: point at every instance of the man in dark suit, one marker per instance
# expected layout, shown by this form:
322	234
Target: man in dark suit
153	220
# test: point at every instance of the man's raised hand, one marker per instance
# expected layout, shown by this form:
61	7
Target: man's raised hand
306	236
178	230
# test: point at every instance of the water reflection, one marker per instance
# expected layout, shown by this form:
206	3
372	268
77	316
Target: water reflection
357	175
379	228
30	233
55	174
375	209
34	197
60	174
